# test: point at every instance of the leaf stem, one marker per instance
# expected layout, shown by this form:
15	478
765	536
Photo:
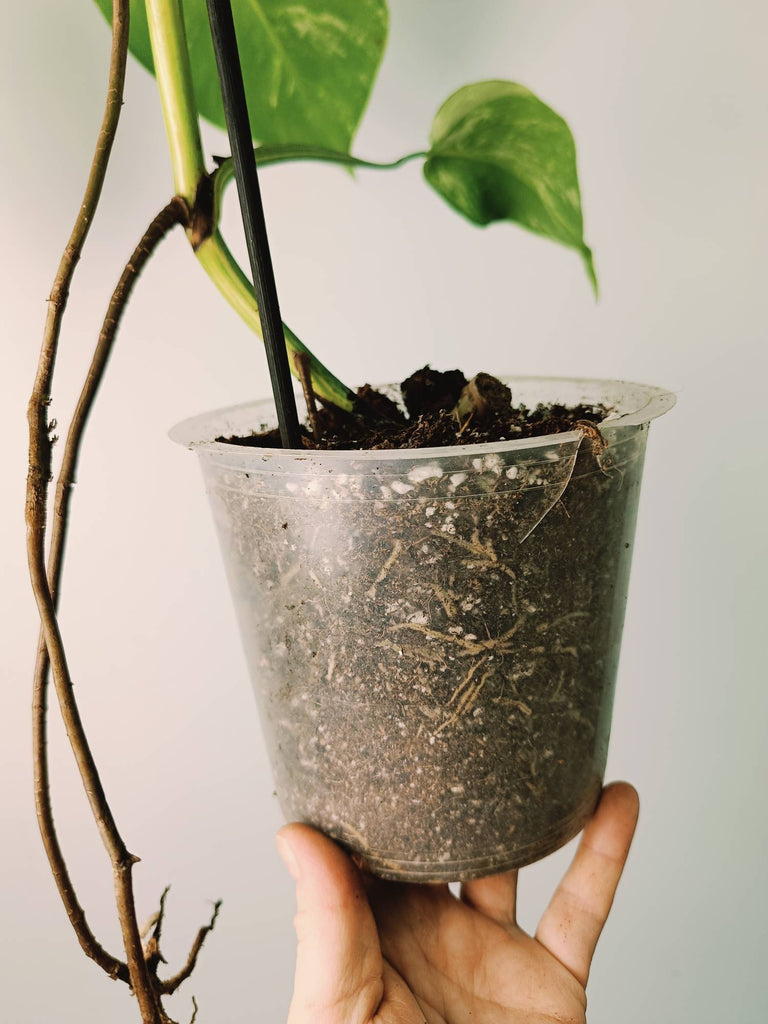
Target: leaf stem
223	269
276	154
174	79
177	96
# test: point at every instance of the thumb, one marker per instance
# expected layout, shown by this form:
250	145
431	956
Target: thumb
339	967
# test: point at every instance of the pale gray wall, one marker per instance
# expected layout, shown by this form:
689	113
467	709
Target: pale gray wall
667	101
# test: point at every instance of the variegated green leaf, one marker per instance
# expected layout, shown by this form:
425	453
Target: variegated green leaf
308	65
499	153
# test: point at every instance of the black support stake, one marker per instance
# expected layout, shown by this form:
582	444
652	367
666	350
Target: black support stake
239	131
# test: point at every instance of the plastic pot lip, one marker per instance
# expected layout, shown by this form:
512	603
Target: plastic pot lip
648	402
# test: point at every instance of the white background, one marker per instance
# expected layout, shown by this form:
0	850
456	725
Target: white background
667	103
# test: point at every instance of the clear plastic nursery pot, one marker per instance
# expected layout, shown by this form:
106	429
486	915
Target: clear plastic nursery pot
433	634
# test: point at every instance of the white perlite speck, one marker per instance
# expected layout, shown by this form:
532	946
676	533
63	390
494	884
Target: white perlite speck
419	473
401	487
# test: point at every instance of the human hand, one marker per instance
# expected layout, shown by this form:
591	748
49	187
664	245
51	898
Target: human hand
374	952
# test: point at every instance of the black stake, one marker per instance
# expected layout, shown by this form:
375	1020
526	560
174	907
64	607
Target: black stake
239	131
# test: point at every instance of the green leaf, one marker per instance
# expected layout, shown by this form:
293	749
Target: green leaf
499	153
308	65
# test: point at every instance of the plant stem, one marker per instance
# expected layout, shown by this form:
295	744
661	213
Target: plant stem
37	493
175	212
36	515
223	269
174	79
177	95
302	367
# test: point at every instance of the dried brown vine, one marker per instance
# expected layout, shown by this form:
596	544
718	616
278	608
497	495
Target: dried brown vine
140	967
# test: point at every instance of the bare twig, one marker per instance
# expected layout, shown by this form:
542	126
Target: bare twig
147	927
171	984
36	515
152	953
303	364
40	462
175	212
140	969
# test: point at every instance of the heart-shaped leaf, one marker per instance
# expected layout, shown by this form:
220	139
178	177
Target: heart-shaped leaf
308	65
498	153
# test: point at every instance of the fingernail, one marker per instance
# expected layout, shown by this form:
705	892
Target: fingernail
289	858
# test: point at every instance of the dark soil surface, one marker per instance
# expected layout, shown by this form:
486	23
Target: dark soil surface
438	409
434	643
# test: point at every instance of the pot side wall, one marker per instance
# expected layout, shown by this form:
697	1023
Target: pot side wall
434	642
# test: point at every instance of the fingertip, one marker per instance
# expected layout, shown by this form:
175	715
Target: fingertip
611	829
294	836
622	800
315	861
306	841
623	790
284	848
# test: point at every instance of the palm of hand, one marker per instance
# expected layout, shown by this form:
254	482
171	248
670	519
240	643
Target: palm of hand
445	961
373	952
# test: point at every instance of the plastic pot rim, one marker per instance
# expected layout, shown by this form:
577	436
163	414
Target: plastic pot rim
192	433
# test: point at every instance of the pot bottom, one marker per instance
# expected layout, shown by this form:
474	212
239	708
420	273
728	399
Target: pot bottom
478	867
